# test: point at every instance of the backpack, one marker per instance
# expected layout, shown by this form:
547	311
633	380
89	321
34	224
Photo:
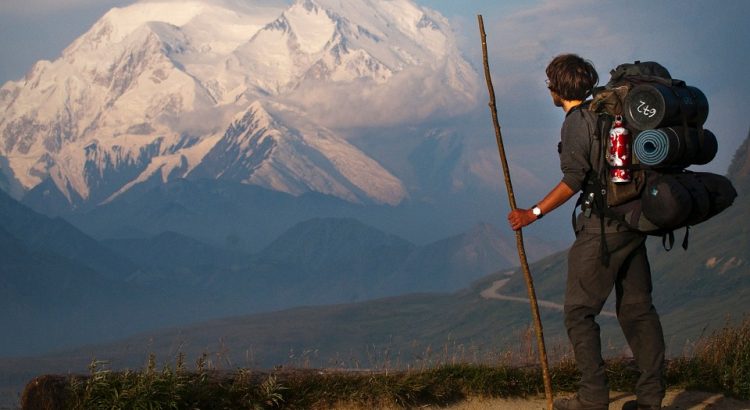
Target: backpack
665	119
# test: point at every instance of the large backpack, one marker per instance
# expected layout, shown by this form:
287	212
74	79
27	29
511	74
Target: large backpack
665	118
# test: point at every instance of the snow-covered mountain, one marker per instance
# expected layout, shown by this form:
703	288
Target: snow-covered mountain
250	91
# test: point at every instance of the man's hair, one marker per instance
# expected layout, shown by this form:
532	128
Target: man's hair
571	77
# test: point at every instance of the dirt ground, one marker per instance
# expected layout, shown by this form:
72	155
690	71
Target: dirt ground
675	400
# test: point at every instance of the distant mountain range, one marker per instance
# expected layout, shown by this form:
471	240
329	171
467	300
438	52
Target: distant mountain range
60	287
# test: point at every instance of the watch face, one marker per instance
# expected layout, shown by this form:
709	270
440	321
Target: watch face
536	211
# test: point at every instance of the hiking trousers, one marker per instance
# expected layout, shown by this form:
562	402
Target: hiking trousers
589	283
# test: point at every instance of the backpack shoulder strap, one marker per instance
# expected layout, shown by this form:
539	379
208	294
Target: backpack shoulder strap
593	197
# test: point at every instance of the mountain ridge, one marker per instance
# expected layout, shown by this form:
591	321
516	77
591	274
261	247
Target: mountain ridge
739	169
169	278
57	235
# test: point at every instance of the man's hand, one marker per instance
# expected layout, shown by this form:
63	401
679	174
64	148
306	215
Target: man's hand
556	197
519	218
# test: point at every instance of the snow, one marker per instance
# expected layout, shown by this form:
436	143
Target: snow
267	60
148	74
405	14
311	24
357	168
236	28
350	162
126	20
167	165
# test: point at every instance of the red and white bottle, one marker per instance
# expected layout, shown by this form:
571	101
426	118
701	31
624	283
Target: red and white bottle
619	156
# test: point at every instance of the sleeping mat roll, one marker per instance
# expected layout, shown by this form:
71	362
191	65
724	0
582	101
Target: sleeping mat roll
675	147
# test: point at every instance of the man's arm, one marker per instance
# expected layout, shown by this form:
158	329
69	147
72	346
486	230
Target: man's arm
556	197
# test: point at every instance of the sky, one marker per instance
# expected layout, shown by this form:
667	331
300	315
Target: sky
704	43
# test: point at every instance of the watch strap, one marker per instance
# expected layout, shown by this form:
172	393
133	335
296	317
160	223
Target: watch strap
537	211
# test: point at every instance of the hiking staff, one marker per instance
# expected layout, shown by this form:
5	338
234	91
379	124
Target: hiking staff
519	234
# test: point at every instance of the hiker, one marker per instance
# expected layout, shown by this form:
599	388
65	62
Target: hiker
570	80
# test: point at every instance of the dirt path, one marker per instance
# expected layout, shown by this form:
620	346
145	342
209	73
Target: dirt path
675	399
493	292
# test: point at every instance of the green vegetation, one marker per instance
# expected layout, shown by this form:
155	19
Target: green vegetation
719	363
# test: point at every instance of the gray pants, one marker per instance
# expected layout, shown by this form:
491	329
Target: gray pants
589	284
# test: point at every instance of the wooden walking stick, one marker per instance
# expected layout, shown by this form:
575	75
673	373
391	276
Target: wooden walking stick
519	234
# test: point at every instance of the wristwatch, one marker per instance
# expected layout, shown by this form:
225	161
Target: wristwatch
537	212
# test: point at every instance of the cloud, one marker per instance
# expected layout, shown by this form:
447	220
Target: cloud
411	95
36	7
44	7
522	43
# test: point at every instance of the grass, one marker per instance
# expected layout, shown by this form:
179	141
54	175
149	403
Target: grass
719	363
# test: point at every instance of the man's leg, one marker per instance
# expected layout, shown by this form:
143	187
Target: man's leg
588	286
583	332
642	328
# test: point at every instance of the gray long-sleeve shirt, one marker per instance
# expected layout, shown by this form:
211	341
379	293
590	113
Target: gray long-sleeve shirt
579	148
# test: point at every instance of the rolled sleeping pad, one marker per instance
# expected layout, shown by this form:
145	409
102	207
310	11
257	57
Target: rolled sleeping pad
653	105
651	147
675	147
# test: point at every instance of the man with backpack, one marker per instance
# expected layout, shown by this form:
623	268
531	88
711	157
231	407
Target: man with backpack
606	254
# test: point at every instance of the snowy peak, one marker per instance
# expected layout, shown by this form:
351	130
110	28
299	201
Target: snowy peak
404	29
313	25
230	89
118	23
280	53
296	156
255	117
342	42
